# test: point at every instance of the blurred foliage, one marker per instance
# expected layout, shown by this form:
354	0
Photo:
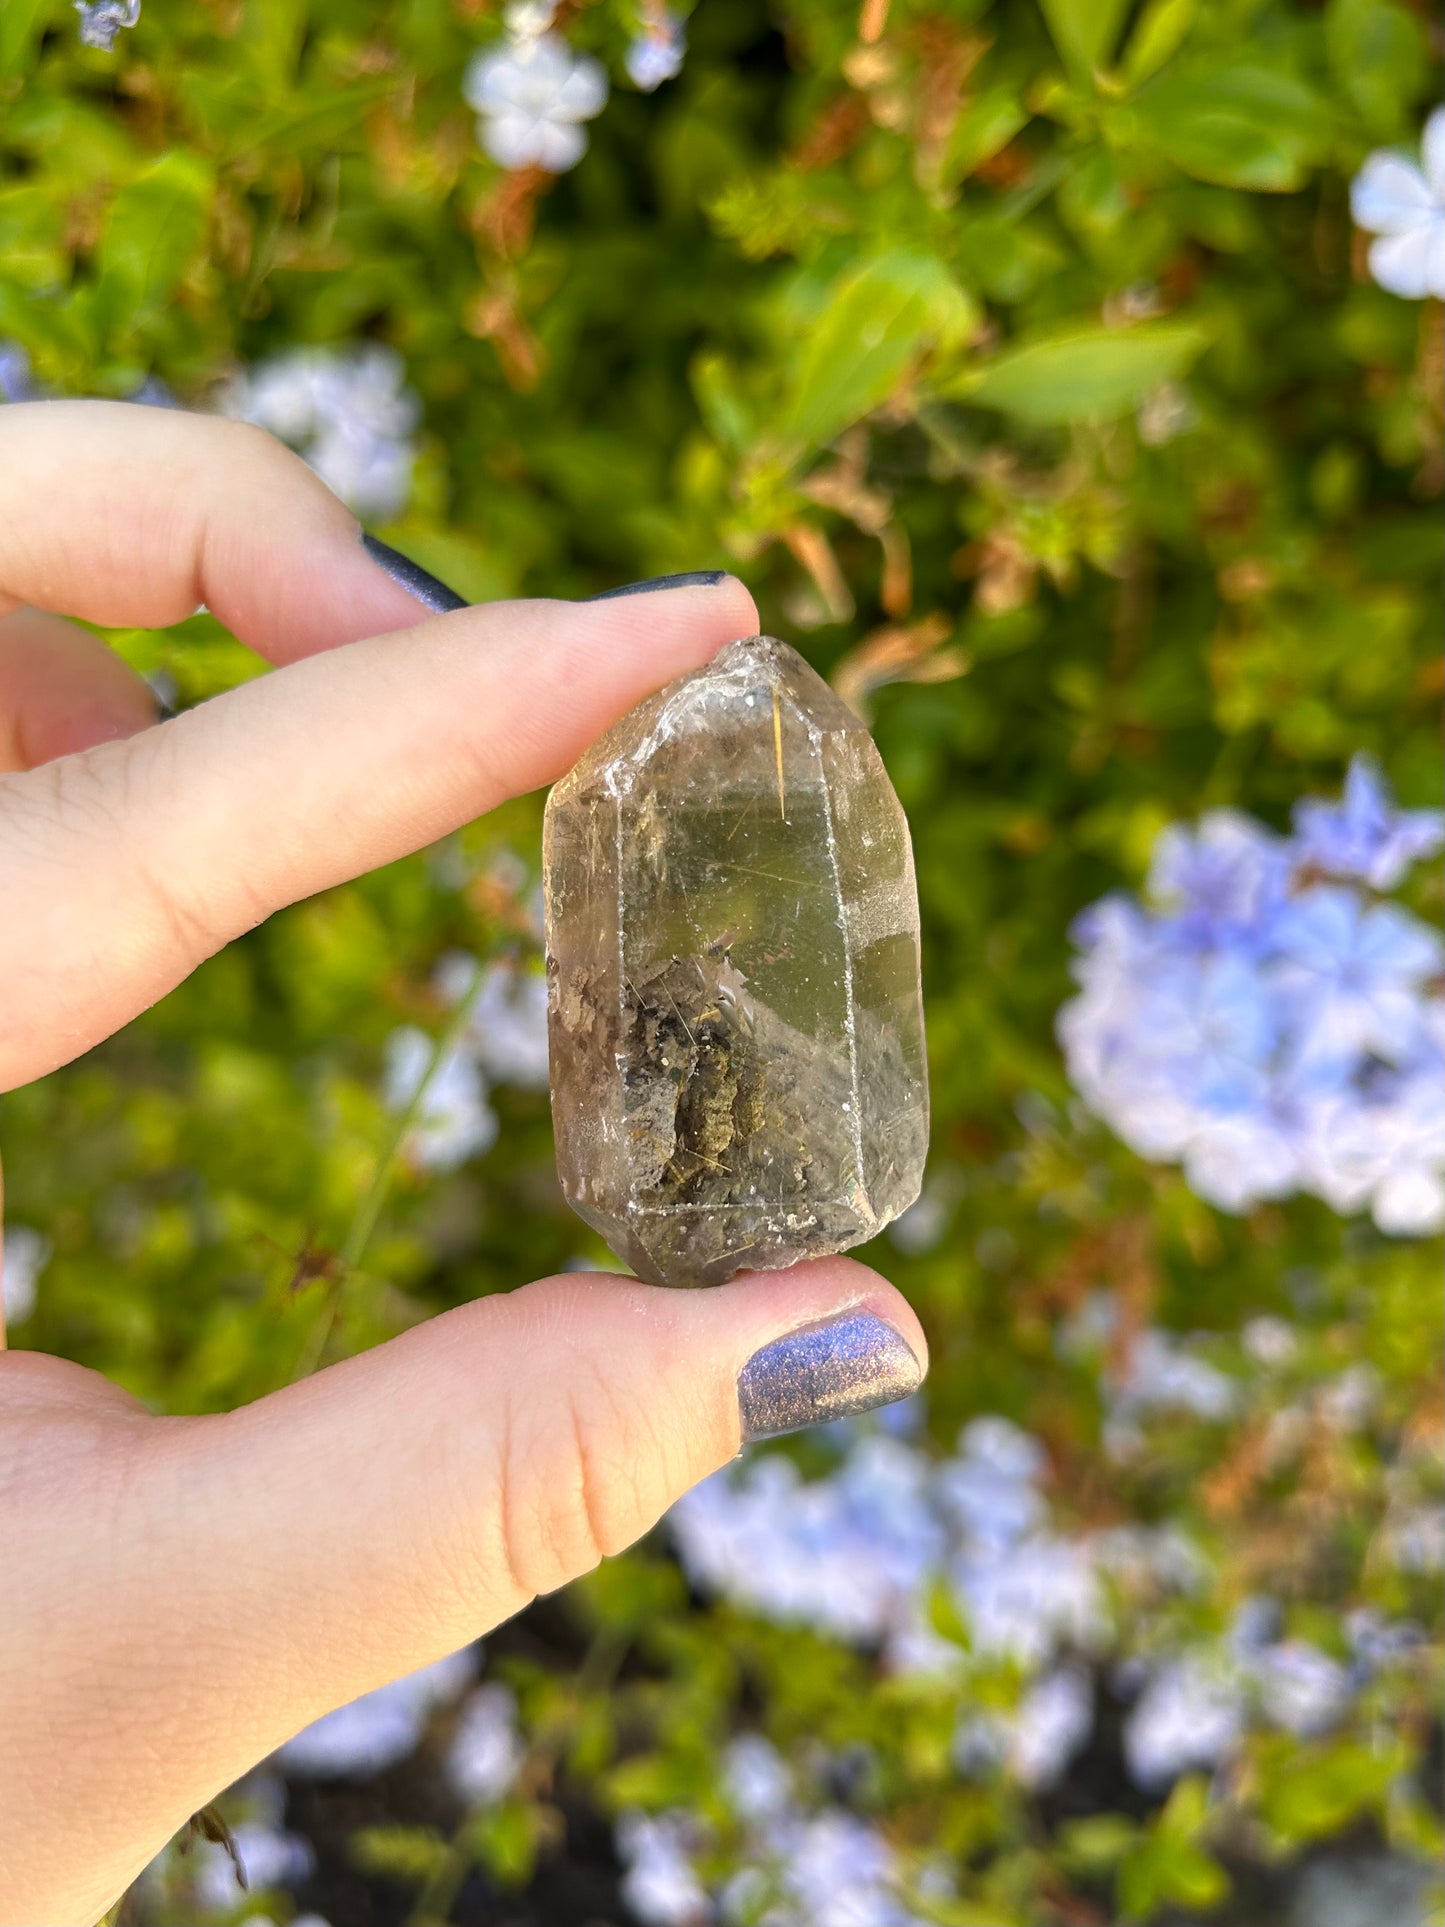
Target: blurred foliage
1022	361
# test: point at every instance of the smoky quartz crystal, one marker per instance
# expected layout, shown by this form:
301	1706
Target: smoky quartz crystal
735	1016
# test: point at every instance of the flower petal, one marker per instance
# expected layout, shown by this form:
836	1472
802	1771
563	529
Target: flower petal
1389	195
486	83
561	145
1433	149
582	94
1435	260
512	139
1401	263
1410	1203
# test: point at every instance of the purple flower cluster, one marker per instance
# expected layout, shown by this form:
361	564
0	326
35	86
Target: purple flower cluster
1265	1020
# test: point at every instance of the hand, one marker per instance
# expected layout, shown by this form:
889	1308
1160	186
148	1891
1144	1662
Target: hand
179	1595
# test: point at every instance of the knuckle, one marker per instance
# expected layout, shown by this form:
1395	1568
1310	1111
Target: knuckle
575	1494
145	788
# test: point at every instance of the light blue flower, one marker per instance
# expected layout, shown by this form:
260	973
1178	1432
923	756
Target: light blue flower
532	94
1404	204
347	411
1363	835
1190	1715
16	381
1352	976
660	1886
454	1121
1220	881
1268	1031
102	20
657	53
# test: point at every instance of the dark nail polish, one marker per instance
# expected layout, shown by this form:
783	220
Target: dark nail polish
432	594
690	579
833	1370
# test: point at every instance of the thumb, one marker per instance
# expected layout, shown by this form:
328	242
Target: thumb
418	1494
273	1563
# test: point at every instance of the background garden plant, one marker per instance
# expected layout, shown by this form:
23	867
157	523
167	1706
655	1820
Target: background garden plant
1066	380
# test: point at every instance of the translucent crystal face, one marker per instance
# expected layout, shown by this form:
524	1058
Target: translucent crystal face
736	1024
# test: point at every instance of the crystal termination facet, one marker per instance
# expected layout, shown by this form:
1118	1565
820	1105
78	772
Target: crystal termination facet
735	1014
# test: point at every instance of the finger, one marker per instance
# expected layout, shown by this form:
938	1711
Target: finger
274	1563
177	840
120	513
61	690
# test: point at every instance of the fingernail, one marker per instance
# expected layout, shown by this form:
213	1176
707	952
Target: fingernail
410	575
844	1365
690	579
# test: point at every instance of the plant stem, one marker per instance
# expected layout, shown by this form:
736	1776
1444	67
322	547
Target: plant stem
364	1218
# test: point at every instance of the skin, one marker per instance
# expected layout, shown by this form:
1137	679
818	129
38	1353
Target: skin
179	1595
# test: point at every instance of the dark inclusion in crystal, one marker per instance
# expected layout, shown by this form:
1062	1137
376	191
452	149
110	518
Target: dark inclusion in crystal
735	1017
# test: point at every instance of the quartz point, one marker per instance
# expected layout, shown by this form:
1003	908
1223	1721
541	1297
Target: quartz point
734	1009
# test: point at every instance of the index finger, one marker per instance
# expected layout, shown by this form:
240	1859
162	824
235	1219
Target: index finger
124	514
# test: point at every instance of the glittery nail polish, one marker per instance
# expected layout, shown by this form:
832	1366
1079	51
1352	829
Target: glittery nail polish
409	575
843	1366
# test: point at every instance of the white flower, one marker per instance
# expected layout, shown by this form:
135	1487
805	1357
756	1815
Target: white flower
380	1728
530	94
841	1872
660	1888
1405	206
922	1225
269	1856
102	20
486	1752
755	1776
1301	1688
347	411
1190	1715
507	1029
656	54
24	1254
1347	1403
1164	414
1028	1601
1052	1724
1415	1539
1270	1342
847	1554
528	19
1163	1375
454	1121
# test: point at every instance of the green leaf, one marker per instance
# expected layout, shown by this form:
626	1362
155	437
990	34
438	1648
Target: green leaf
156	228
944	1616
1187	1807
878	319
31	235
1378	51
1163	27
506	1839
1097	1843
1237	125
987	124
1093	374
19	29
1163	1869
309	124
1084	31
1308	1795
414	1854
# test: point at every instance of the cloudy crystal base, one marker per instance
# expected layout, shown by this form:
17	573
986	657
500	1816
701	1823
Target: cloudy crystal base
735	1015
